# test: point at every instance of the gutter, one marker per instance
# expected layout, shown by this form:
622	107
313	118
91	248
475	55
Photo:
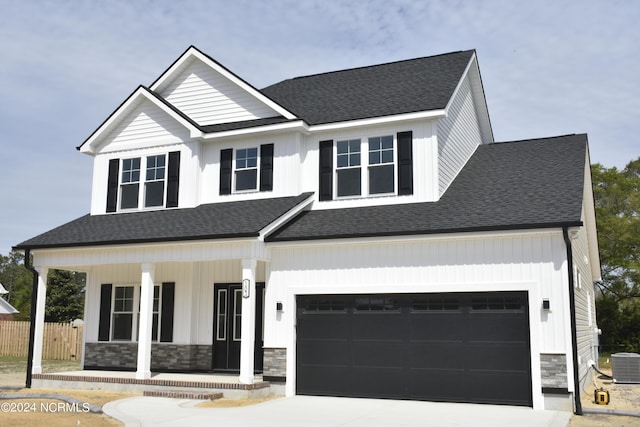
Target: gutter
572	309
32	316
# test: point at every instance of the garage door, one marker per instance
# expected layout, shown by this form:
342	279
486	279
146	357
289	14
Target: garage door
458	347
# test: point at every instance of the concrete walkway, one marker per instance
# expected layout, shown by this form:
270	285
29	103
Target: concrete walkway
327	412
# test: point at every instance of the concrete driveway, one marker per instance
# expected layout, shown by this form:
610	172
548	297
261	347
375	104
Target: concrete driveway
327	412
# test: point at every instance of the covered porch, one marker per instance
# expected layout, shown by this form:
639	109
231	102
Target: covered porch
152	309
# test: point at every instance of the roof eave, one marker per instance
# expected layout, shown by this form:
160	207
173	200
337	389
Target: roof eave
514	227
417	115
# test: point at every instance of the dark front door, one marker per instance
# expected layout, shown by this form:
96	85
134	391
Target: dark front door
227	327
466	347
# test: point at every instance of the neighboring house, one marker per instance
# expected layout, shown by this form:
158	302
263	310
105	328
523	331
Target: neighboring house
6	310
352	233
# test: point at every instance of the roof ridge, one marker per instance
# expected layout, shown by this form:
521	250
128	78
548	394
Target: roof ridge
537	139
374	65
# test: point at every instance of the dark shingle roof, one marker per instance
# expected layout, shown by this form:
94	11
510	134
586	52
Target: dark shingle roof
515	185
421	84
210	221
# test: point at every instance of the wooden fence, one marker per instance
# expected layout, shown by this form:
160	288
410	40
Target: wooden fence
62	341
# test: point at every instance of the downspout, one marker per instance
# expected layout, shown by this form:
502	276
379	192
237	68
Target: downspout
572	310
32	317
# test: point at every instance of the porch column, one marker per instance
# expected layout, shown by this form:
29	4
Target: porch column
143	367
36	366
247	341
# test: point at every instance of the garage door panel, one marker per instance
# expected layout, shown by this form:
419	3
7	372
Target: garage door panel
438	355
318	352
483	387
378	354
465	347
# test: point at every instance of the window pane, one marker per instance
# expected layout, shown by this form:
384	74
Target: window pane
154	327
348	153
122	326
381	179
130	170
154	194
129	196
246	179
349	182
380	150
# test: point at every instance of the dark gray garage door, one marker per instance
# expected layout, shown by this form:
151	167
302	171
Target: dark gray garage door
458	347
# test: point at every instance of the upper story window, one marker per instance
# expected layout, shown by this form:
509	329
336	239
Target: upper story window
246	169
129	188
152	193
348	168
376	165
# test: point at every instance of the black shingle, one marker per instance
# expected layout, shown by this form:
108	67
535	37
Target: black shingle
209	221
515	185
421	84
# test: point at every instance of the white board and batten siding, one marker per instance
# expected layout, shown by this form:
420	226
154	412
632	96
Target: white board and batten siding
208	97
533	262
193	303
458	136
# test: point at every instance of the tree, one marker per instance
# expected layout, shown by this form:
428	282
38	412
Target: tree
65	296
18	281
617	202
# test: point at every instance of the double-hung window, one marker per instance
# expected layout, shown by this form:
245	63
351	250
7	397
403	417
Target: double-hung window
152	193
125	321
348	169
130	183
154	181
380	166
143	182
246	169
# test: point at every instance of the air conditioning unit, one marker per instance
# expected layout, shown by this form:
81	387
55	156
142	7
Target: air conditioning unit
626	367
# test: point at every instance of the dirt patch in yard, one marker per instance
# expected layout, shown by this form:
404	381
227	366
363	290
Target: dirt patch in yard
39	411
625	397
234	403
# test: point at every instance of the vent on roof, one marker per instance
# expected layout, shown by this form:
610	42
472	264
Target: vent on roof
626	367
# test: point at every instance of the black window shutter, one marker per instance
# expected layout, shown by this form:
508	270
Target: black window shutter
166	322
226	169
104	324
326	170
405	163
173	179
266	167
112	185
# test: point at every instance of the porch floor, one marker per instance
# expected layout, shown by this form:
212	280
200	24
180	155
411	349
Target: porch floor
229	385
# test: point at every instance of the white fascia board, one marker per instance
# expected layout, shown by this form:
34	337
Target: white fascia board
432	114
192	53
469	235
298	125
283	219
141	94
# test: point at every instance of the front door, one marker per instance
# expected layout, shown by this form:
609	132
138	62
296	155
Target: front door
227	327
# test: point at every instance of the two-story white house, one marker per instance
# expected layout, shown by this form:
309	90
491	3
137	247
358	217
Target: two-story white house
352	233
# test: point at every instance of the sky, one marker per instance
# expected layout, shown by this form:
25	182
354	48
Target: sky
548	68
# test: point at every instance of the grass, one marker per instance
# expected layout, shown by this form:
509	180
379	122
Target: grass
16	364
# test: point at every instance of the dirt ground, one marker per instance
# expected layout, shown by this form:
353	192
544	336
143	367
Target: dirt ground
623	397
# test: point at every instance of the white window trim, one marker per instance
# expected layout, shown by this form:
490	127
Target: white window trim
364	166
141	183
135	319
234	169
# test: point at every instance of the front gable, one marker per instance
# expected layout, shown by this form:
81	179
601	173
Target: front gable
210	94
142	119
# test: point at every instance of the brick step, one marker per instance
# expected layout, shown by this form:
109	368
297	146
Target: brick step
183	395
